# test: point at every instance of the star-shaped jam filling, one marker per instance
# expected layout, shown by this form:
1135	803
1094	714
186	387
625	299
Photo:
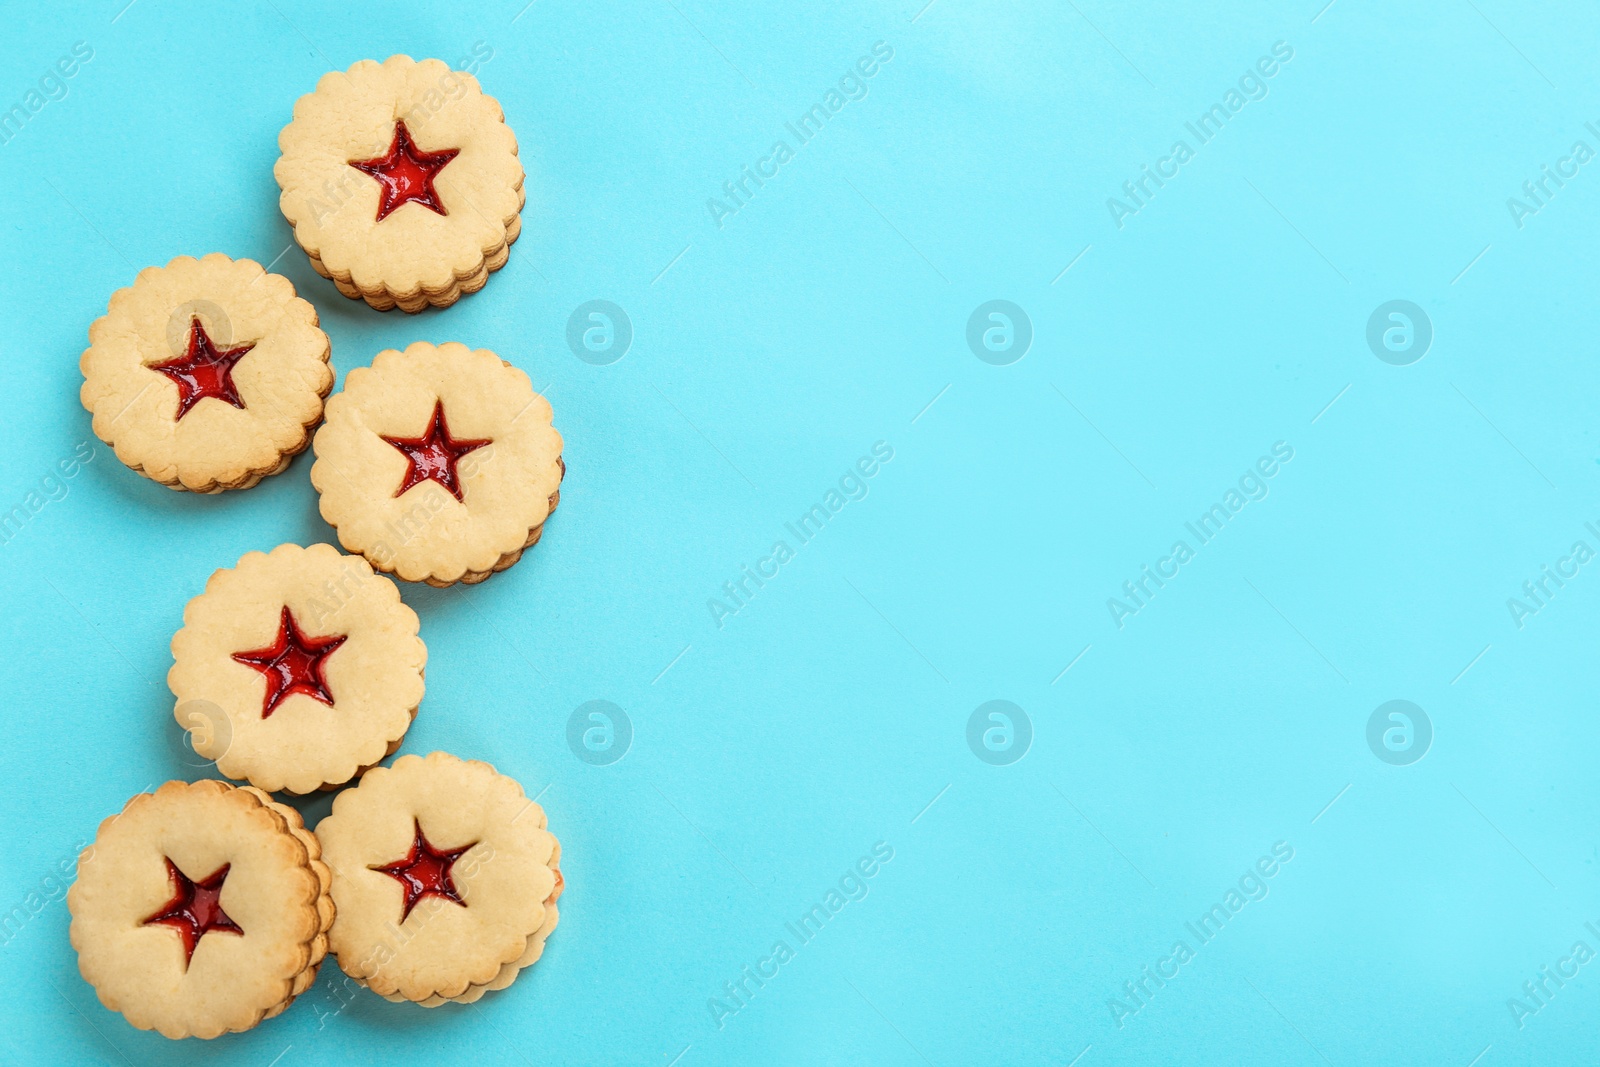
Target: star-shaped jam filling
203	370
293	663
405	173
424	872
195	909
433	456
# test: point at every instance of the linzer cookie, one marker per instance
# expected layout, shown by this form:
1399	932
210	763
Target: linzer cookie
438	464
201	909
445	878
206	374
297	669
401	181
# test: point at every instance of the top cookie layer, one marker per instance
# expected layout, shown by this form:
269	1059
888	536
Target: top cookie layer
205	374
364	152
238	953
297	668
437	463
468	834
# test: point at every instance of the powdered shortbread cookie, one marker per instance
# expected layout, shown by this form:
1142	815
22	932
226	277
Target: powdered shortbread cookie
445	878
297	669
401	181
200	909
206	374
439	463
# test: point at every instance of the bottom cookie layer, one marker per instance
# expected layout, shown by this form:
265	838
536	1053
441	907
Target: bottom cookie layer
383	298
508	972
244	481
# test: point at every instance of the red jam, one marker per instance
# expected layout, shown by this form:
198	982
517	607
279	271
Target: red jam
425	871
204	370
405	173
292	664
433	456
195	909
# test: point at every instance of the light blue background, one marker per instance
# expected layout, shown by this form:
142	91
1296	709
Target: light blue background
773	752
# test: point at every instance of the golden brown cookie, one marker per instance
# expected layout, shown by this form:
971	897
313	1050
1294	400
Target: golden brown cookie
438	464
445	877
200	909
297	669
402	182
206	374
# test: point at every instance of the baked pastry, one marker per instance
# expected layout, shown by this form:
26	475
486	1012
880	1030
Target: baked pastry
438	464
312	663
445	877
206	374
201	909
402	182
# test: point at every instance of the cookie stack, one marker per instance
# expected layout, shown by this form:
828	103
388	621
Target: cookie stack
205	908
404	824
220	861
375	140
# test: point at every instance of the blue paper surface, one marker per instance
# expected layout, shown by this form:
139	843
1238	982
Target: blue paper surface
1338	346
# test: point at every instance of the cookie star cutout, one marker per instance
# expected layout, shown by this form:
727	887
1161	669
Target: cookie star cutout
434	455
294	663
195	909
405	173
204	370
425	872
